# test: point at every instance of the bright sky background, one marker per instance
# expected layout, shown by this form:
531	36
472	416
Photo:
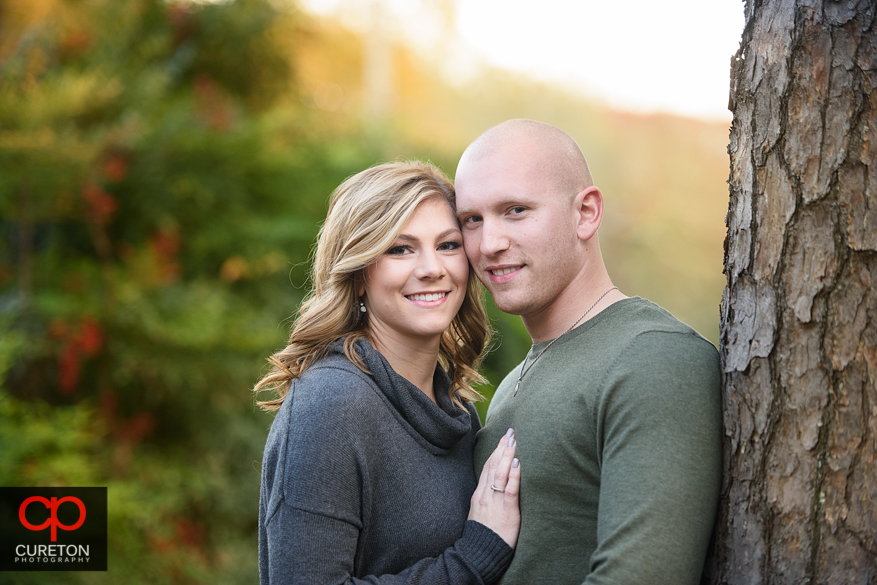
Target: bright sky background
642	55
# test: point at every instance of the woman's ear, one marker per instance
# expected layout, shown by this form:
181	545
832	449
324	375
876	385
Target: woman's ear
589	206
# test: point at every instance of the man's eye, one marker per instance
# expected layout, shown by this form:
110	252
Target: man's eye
472	219
518	209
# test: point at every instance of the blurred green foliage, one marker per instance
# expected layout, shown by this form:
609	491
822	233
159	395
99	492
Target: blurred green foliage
157	205
163	174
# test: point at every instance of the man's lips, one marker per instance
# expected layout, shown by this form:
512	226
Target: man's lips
500	274
502	271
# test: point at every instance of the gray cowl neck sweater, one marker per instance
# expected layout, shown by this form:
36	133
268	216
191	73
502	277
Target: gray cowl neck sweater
366	480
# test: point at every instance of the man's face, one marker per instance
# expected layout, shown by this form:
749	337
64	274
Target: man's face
519	232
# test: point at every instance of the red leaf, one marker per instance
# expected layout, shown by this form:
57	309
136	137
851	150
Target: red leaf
115	168
90	338
166	246
68	369
101	204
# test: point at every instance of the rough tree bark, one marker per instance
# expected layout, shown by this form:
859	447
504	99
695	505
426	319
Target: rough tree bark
799	315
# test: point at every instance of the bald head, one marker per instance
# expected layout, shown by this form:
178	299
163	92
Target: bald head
552	152
529	215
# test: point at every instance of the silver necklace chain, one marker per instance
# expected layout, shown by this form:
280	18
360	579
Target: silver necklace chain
539	355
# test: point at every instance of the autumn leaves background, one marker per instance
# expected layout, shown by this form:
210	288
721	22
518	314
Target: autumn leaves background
164	168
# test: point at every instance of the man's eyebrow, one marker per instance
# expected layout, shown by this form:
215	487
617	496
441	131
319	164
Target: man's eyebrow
523	200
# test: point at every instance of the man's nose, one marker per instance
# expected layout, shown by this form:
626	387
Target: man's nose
493	239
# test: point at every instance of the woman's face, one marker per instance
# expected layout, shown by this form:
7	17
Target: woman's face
414	290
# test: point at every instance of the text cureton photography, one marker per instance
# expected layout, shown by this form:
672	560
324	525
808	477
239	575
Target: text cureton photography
52	553
53	529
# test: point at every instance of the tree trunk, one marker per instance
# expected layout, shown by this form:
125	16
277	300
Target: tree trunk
799	314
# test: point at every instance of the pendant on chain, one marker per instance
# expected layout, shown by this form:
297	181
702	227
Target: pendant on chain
550	343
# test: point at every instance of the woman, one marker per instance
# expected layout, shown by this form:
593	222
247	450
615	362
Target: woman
368	472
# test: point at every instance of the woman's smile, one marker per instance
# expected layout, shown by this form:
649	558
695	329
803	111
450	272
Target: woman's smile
429	299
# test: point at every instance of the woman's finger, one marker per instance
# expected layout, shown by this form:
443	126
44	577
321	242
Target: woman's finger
501	472
493	460
513	487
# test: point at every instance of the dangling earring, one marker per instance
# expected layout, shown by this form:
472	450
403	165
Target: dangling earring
362	308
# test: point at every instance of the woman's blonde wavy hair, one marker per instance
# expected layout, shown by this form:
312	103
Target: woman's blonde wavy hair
366	214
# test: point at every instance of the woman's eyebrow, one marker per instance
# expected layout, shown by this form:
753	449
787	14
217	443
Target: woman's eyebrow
444	234
447	233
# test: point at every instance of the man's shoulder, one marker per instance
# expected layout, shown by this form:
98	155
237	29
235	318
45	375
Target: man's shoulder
636	343
640	322
639	314
634	334
663	357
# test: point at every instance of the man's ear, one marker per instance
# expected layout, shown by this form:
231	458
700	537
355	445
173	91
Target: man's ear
589	205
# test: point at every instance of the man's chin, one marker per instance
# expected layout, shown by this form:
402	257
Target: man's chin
509	305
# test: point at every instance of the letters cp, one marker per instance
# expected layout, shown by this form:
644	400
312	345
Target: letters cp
52	506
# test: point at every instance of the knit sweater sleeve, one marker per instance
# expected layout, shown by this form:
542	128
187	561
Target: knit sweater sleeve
660	455
314	483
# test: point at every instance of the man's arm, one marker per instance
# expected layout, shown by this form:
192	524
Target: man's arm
660	429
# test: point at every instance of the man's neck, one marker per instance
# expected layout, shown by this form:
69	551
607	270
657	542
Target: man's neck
582	295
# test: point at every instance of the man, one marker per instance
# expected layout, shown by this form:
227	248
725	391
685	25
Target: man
617	407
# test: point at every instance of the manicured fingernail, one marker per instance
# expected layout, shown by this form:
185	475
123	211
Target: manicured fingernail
515	463
510	432
511	441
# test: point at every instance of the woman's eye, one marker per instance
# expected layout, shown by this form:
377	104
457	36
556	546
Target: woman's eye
398	250
446	246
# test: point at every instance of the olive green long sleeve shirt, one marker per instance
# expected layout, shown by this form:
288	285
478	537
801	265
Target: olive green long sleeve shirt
619	432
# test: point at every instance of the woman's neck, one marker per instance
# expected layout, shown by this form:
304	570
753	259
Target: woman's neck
413	360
